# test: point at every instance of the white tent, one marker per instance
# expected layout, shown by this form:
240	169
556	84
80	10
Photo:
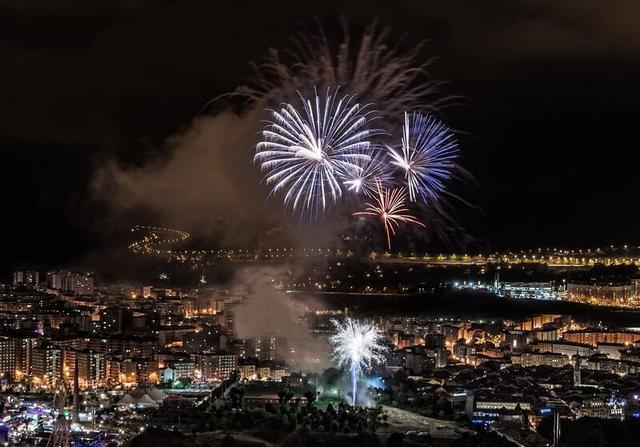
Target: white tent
149	390
126	400
146	401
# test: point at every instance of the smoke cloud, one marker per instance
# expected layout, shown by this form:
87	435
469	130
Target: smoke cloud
207	183
268	312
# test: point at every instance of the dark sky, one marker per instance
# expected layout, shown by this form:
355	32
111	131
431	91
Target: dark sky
551	92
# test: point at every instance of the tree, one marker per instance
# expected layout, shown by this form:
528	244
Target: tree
236	397
311	397
585	432
330	377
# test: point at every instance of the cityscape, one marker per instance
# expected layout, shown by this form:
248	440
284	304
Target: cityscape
116	359
273	224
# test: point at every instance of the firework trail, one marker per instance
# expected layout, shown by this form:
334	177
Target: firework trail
428	155
357	346
375	70
309	153
390	206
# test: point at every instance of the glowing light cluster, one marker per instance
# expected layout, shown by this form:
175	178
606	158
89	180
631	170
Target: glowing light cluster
358	346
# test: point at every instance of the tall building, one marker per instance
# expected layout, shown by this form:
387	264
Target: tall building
217	365
91	369
265	348
81	284
434	340
183	369
460	349
29	277
441	356
115	372
248	371
7	357
139	370
18	278
269	348
15	356
577	374
211	338
75	283
418	360
112	320
46	368
24	353
54	279
69	362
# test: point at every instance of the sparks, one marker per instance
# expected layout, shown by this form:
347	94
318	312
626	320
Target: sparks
390	206
428	155
357	346
309	154
364	180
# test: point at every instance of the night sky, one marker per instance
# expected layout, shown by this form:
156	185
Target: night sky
549	112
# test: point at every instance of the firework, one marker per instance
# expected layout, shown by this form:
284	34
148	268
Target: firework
428	155
377	169
390	206
368	65
308	153
357	346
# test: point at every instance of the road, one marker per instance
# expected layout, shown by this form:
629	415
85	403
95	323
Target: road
404	421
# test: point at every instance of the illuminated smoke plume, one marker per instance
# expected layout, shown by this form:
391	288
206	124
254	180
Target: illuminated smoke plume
268	312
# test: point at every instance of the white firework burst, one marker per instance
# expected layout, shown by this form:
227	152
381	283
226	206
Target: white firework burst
358	346
309	153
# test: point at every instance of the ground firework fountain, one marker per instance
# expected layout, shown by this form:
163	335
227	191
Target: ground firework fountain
358	346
